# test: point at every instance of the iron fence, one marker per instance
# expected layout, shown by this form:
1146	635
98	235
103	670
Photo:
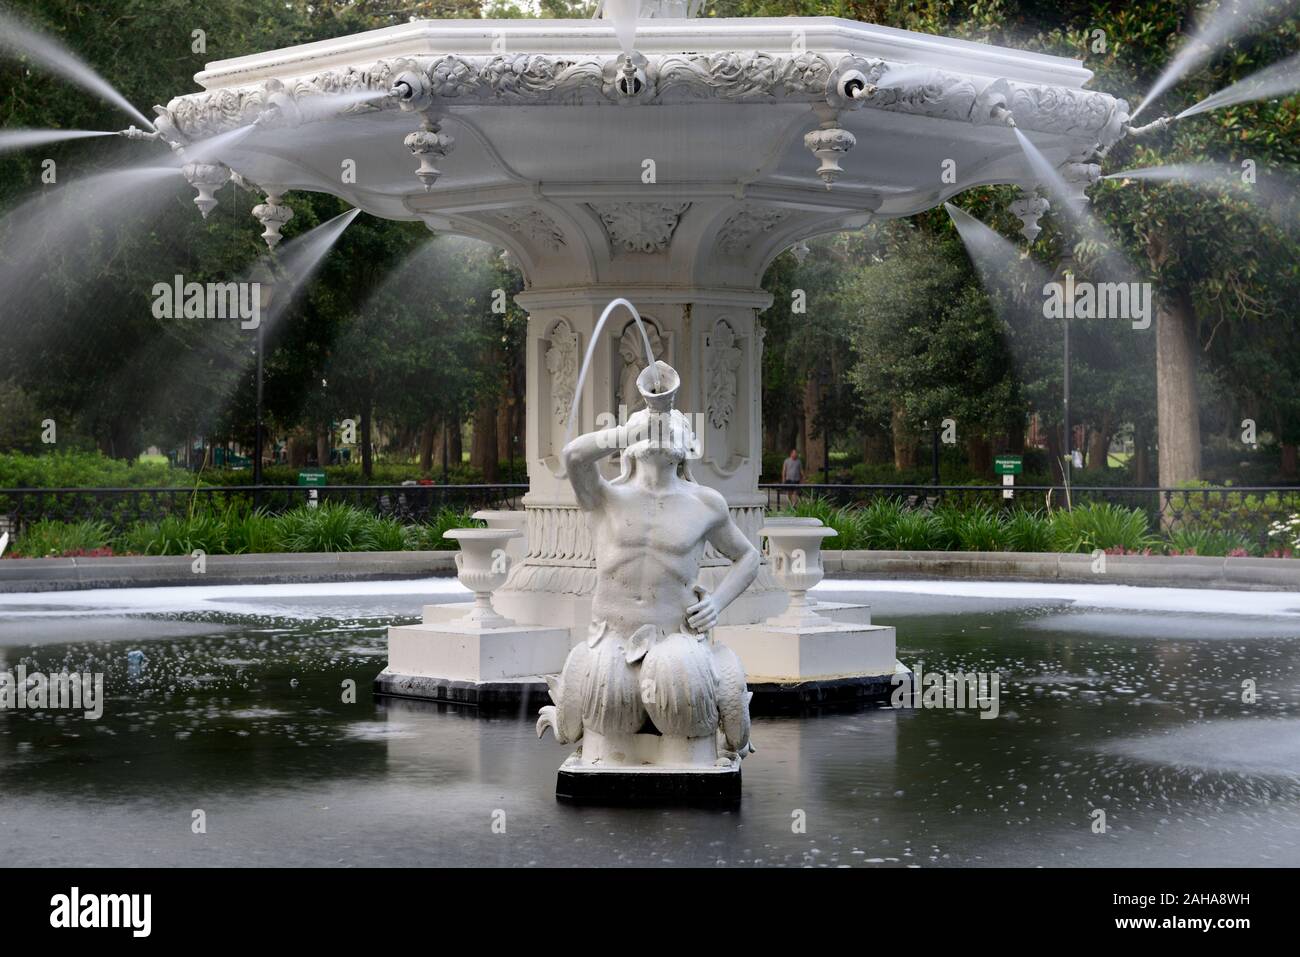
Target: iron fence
121	507
1248	511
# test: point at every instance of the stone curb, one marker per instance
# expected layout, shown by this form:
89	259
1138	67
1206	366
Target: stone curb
149	571
1189	571
68	574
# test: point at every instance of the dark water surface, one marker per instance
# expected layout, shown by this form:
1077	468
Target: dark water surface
1128	701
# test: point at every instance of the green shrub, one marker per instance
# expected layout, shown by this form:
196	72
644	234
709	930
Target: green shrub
250	532
1029	531
1101	525
383	535
875	519
812	506
330	527
978	528
182	534
46	538
1207	541
427	536
77	469
912	530
857	527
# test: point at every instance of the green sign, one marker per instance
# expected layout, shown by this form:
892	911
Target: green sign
1008	465
311	478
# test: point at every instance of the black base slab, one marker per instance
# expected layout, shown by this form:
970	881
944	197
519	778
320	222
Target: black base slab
526	696
713	788
797	697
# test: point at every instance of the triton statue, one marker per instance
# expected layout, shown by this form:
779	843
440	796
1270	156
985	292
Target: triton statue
649	689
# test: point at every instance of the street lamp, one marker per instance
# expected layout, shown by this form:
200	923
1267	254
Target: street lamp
264	277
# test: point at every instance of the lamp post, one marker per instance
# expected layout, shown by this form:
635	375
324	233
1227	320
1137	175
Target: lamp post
934	455
264	277
1069	433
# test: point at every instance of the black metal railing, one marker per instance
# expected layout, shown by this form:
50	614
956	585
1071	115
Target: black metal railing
121	507
1249	511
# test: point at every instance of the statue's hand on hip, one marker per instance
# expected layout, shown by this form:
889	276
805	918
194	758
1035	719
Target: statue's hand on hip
703	615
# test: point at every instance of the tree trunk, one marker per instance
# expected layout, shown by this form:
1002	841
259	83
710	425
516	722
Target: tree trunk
772	435
1099	445
299	450
483	444
1141	457
1052	441
455	442
1015	443
1178	429
979	455
503	430
367	453
1290	465
814	458
427	436
444	433
904	440
876	448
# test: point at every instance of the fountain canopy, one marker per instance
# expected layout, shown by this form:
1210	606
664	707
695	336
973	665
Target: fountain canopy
713	146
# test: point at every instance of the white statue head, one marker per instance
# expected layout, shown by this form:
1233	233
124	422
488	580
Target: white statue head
664	434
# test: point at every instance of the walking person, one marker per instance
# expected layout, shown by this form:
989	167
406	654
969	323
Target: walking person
792	473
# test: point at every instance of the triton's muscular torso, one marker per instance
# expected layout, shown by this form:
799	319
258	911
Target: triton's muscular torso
648	549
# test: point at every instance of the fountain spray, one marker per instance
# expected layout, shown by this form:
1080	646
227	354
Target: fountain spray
18	39
591	350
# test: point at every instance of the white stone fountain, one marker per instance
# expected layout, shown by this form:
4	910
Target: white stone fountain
668	164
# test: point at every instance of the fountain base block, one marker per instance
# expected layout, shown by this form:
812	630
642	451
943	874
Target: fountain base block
465	663
794	666
577	783
843	612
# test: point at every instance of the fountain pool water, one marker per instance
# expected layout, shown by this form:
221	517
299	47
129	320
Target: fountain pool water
1117	698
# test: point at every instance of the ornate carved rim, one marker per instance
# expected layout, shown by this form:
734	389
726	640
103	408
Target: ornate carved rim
730	77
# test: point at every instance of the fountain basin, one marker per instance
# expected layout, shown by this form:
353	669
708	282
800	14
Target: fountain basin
1100	685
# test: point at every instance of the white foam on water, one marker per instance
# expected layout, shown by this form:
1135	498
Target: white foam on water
1242	745
290	600
1127	597
296	599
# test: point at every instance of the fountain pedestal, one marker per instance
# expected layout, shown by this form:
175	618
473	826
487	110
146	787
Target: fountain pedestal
470	653
802	656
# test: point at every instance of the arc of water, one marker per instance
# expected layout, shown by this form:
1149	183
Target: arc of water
1209	38
1280	79
17	39
591	351
20	139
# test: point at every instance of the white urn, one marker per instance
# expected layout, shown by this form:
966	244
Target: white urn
795	558
482	565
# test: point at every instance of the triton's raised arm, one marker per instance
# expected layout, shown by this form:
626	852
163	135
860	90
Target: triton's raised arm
580	457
